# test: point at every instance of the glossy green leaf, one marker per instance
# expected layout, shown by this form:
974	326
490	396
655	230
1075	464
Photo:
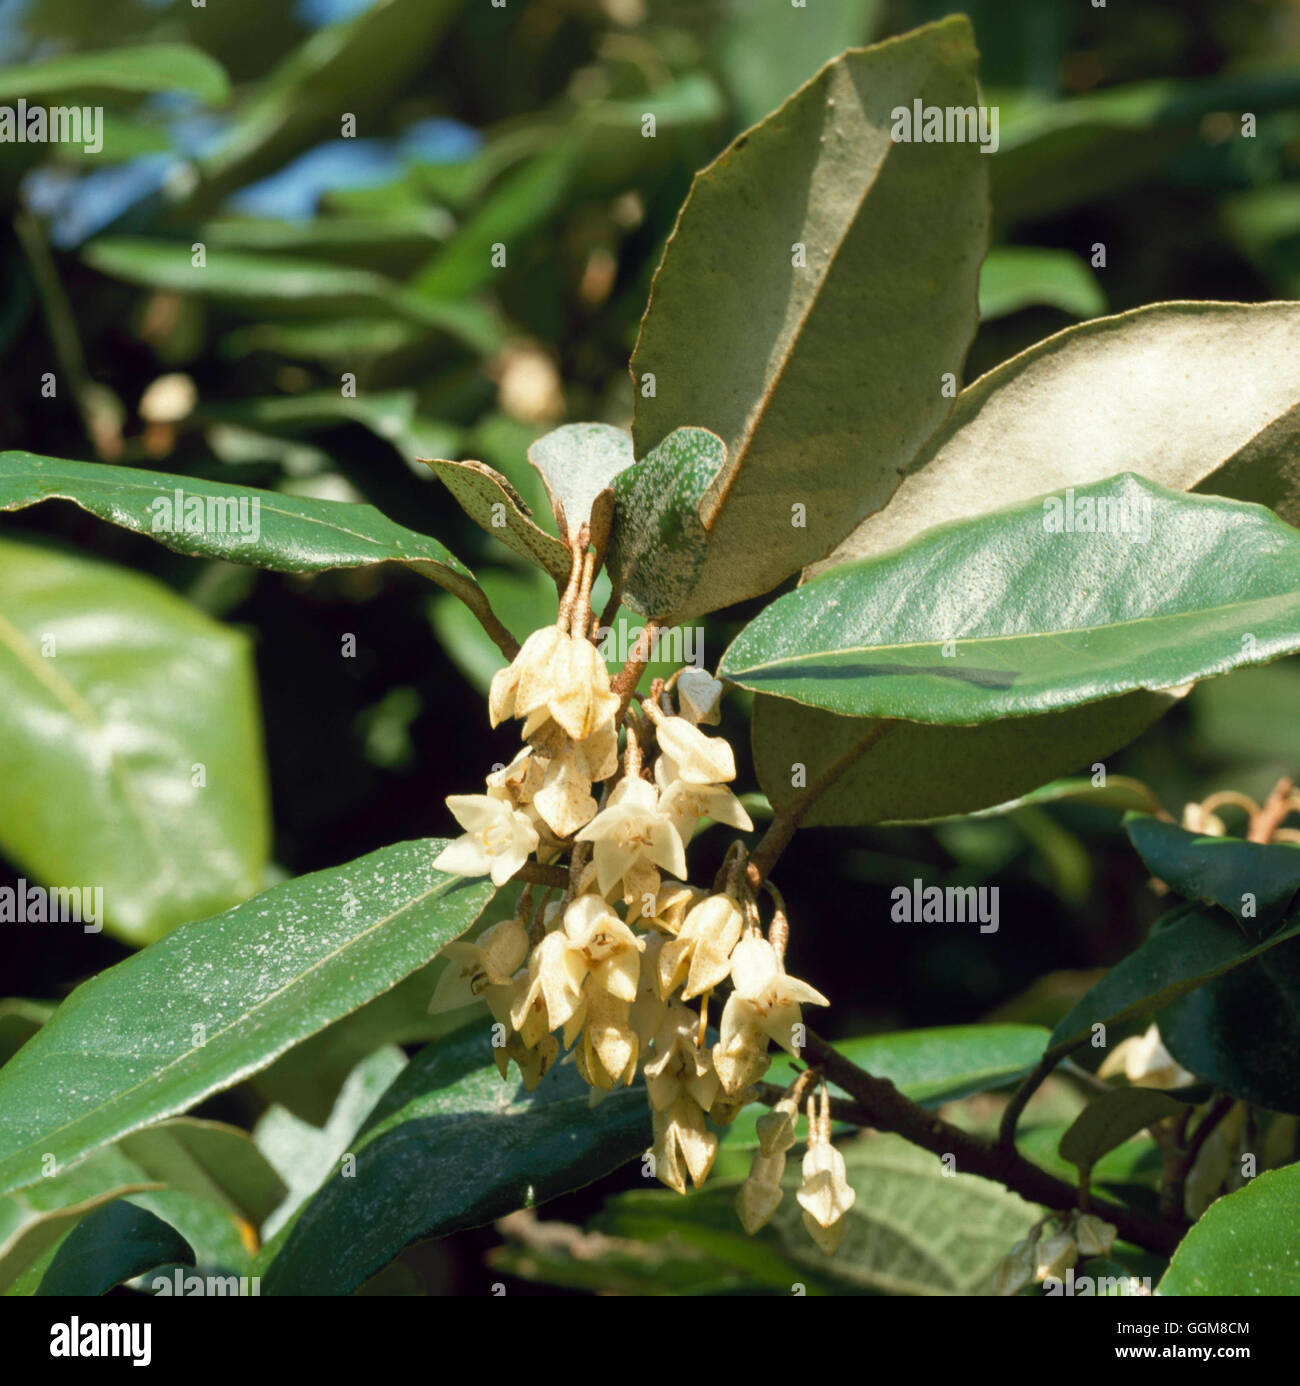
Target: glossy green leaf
1111	1118
1241	1031
492	503
147	67
218	1000
820	377
287	534
1120	792
1187	948
114	1244
1016	277
910	772
451	1146
578	462
1255	882
1022	611
1245	1244
131	754
1123	394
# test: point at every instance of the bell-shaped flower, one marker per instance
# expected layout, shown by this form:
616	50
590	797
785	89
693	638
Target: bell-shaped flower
825	1195
551	994
1145	1062
609	1043
649	1008
497	840
680	1065
697	759
738	1063
1054	1255
533	1064
700	955
472	968
1016	1269
611	951
698	695
776	1129
761	1193
765	998
559	674
518	782
632	837
686	803
528	674
683	1144
1093	1235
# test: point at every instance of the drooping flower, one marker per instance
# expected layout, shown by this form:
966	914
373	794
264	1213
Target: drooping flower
560	674
609	1044
497	840
761	1193
683	1144
825	1195
698	695
473	968
680	1064
610	950
1054	1255
518	782
766	999
551	995
632	838
686	803
697	759
1093	1235
1016	1269
1145	1062
700	955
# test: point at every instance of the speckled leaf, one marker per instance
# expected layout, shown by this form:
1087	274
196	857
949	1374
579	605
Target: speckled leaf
1187	948
1190	395
219	999
578	462
112	691
478	490
1023	611
450	1146
799	315
910	772
1253	881
659	538
1245	1244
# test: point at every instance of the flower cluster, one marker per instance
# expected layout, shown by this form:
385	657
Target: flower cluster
1040	1257
613	958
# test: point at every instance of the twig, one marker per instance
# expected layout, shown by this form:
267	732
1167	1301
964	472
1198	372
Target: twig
1171	1195
1273	814
1006	1139
878	1103
625	681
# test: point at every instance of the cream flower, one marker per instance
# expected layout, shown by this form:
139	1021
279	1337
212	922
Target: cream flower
533	1064
1093	1235
776	1129
1016	1269
680	1066
496	843
1145	1062
766	1000
825	1195
683	1144
560	674
473	968
740	1062
697	759
611	951
701	953
1054	1255
698	695
609	1044
686	803
631	838
517	783
551	994
761	1193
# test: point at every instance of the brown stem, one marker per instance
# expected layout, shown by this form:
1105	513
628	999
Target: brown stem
1006	1139
878	1103
782	827
478	603
1273	814
1171	1195
537	874
625	681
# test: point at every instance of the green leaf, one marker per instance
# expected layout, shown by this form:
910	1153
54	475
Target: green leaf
1221	870
910	772
114	1244
1022	612
1016	277
577	463
148	67
483	494
451	1146
1110	1119
266	283
1187	947
113	692
1112	396
821	379
19	1021
287	534
1245	1244
216	1001
1241	1031
660	542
